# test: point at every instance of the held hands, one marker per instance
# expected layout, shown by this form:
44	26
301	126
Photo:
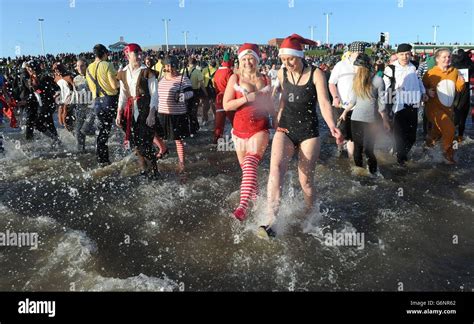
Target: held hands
337	135
344	115
336	102
386	125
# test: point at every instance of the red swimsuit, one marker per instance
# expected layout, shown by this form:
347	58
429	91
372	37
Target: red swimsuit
249	120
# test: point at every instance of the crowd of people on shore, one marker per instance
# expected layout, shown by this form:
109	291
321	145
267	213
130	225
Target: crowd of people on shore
156	97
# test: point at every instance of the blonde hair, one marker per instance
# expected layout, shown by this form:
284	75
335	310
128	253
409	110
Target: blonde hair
363	83
438	52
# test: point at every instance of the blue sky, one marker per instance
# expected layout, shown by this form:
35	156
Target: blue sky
76	25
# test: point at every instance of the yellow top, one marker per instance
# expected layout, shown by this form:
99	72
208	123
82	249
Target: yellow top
158	67
206	72
106	76
195	76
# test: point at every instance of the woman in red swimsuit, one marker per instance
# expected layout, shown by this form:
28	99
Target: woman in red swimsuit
248	94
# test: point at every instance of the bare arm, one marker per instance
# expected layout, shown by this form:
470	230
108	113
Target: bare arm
325	106
281	105
336	102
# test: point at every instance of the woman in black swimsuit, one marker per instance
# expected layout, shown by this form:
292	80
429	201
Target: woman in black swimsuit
303	86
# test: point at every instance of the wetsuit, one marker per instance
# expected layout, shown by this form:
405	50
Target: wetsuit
299	120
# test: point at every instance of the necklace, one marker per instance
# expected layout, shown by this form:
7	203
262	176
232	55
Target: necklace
298	78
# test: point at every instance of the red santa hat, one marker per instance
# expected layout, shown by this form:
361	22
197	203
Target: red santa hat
248	48
293	45
132	47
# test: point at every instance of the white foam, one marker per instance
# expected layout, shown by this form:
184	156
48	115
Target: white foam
72	263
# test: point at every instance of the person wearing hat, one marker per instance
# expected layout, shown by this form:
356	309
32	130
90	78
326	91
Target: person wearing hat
404	94
248	94
340	87
137	105
102	81
303	88
174	90
367	102
221	78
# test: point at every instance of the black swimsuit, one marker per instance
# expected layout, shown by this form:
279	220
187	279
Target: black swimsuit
299	120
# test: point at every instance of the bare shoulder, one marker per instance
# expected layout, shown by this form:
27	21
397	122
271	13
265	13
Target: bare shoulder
318	76
232	79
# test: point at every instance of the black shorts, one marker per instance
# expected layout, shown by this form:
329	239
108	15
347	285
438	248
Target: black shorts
175	127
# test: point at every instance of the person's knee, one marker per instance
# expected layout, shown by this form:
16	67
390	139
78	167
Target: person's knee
306	185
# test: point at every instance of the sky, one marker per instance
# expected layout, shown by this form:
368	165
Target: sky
75	26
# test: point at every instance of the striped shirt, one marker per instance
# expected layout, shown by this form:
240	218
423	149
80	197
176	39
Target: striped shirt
166	95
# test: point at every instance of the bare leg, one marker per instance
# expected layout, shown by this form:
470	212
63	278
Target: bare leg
307	157
350	149
282	152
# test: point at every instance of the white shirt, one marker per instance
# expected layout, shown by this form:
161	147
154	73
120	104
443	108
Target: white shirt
408	87
66	93
273	75
132	78
343	76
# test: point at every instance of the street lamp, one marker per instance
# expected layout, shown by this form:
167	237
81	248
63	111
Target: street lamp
186	39
166	32
434	33
327	26
312	32
41	33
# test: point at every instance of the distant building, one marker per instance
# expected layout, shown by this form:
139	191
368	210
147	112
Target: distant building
275	41
119	46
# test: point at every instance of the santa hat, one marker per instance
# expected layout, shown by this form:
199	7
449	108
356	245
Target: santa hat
248	48
227	61
132	47
293	45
